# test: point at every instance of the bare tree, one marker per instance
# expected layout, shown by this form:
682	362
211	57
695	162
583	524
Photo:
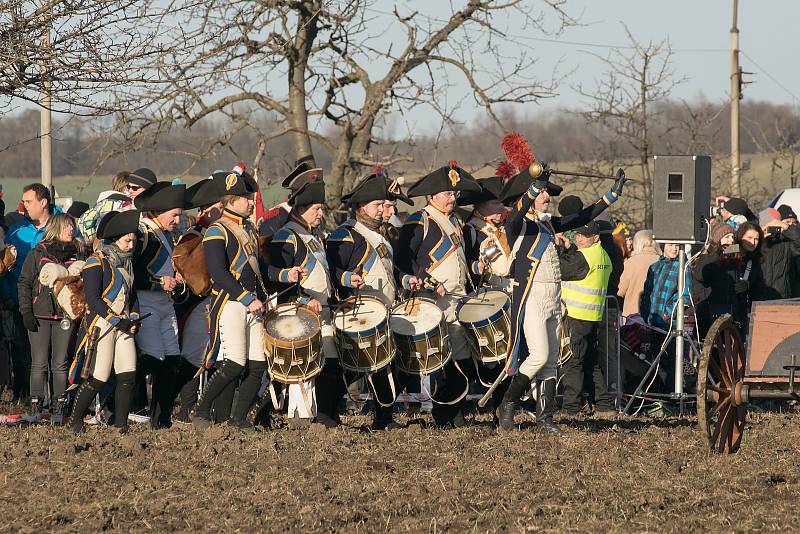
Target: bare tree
78	50
624	104
333	73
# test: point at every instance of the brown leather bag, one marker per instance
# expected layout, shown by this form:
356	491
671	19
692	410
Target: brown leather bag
190	261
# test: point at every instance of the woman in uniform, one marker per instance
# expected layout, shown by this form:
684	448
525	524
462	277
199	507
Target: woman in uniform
112	320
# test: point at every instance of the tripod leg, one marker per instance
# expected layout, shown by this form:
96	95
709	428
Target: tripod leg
649	372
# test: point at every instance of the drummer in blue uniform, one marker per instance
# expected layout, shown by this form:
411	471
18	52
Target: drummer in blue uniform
278	216
489	255
536	300
114	310
361	261
238	294
430	255
299	246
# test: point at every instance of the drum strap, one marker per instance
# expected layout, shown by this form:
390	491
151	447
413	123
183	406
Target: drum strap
278	403
390	376
477	362
458	399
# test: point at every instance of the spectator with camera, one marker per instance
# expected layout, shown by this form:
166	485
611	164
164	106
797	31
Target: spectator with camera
728	275
781	247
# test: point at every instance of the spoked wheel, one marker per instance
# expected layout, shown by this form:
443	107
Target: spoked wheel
720	411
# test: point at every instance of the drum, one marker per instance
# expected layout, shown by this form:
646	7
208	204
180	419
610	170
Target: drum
292	338
362	333
420	336
486	314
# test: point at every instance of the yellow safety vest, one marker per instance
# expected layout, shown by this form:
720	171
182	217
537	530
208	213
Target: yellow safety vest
586	298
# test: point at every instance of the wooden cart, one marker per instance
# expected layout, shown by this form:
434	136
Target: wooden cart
736	372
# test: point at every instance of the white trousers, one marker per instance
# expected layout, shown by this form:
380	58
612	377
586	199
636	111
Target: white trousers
195	338
158	334
299	406
116	349
241	334
542	329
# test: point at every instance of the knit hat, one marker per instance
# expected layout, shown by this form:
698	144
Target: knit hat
786	212
720	231
570	205
736	206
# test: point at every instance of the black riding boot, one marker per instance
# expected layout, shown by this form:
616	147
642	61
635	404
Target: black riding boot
164	392
123	398
327	391
188	384
383	419
519	385
546	407
85	396
247	394
220	380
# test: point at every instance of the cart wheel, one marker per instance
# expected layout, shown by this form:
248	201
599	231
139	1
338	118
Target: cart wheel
720	414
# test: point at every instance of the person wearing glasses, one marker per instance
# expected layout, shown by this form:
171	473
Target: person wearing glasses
431	257
126	186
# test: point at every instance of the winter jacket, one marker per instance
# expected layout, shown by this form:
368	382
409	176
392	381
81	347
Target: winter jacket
715	275
777	256
35	298
631	283
660	293
25	236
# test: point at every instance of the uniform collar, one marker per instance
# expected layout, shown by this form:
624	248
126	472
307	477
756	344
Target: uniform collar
299	220
235	217
435	206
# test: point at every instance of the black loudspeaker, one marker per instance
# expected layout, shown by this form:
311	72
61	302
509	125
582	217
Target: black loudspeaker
681	198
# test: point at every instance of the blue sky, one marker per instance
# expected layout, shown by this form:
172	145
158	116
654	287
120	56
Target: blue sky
698	31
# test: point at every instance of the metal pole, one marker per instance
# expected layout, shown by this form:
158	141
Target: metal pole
46	104
736	95
679	326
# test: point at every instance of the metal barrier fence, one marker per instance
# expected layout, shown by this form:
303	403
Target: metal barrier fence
608	344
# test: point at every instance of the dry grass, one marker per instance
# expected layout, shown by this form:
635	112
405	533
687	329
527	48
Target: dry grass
624	475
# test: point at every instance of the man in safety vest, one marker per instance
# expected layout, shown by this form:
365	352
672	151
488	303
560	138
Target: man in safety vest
584	274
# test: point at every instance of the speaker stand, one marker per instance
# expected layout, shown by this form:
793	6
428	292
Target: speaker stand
674	333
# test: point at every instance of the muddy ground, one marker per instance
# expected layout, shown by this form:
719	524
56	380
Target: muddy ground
622	475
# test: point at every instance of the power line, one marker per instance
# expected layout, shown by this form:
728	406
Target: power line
770	76
561	41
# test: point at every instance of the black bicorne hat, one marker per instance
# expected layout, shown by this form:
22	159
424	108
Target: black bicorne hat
517	185
116	224
143	177
312	192
161	196
77	208
490	190
233	183
450	178
373	187
395	191
203	193
304	171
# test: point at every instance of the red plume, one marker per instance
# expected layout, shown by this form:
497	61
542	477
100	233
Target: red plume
453	164
505	170
377	170
517	150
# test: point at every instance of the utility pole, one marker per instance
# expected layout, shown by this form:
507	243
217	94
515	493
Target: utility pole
736	95
45	105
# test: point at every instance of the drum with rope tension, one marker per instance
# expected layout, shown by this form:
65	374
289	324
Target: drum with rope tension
420	336
292	340
362	333
485	313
